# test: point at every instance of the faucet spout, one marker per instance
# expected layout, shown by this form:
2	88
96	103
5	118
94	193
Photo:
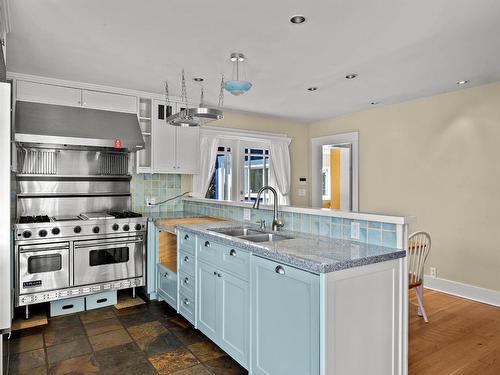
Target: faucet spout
276	222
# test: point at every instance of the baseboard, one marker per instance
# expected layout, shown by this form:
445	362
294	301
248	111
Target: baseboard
475	293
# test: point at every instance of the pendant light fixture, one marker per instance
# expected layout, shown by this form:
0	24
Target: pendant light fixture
237	86
195	116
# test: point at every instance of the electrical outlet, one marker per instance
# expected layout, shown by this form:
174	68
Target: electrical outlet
355	230
247	214
150	201
301	192
433	272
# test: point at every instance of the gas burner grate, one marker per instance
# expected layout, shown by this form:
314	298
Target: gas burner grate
124	214
34	219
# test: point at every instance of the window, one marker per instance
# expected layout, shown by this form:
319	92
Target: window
220	187
255	173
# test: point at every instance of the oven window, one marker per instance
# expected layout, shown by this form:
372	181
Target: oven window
108	256
44	263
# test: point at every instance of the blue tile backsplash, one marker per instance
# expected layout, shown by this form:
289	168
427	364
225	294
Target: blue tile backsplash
159	186
370	232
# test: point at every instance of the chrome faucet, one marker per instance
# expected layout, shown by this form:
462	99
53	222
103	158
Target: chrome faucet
276	222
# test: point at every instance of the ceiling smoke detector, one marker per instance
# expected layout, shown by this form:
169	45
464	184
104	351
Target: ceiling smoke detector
298	19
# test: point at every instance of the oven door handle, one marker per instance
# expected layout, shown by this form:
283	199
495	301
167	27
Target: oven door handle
107	244
28	249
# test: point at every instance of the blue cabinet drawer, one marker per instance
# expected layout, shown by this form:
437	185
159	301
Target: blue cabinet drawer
167	285
186	284
67	306
236	261
186	307
186	263
95	301
210	251
186	241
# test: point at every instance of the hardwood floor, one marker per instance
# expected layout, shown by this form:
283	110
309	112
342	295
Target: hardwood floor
462	336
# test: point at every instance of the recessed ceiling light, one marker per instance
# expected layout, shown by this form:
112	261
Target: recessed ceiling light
298	19
464	82
198	79
313	88
351	76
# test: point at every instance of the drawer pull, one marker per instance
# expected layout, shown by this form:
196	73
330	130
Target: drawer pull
101	300
232	253
186	280
186	237
186	259
280	270
207	244
186	301
66	307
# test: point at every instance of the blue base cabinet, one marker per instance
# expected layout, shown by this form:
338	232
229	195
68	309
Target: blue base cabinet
223	298
285	319
167	285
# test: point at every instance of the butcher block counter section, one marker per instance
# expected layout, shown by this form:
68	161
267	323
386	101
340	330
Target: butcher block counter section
167	239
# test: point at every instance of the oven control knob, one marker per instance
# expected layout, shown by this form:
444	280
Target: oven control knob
126	227
42	233
115	227
138	226
56	231
26	234
77	229
95	229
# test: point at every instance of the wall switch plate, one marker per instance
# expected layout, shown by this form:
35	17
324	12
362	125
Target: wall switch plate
355	230
150	201
433	272
247	214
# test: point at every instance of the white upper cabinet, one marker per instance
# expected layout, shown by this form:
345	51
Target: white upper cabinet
164	139
109	101
175	149
75	97
188	149
51	94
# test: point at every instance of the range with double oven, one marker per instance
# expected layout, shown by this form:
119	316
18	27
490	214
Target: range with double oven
75	233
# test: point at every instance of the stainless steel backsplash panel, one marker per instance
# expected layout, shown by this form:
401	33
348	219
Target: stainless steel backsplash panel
61	186
72	205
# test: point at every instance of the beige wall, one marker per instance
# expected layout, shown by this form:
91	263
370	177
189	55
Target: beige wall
437	158
295	130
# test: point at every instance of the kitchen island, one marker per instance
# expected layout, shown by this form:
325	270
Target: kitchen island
302	304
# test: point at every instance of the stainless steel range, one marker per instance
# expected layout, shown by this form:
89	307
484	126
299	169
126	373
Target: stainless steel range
75	234
63	257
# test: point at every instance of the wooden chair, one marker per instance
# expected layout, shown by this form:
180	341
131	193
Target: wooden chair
419	245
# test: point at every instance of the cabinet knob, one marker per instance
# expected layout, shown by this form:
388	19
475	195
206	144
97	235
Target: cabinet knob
207	244
165	275
186	237
186	259
186	280
186	301
280	270
219	274
215	273
232	253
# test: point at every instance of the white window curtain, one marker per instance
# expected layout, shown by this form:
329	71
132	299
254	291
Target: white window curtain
208	156
280	162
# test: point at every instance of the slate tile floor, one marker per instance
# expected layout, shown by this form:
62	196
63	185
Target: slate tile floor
146	339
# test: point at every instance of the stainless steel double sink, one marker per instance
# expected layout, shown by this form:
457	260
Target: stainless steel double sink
252	235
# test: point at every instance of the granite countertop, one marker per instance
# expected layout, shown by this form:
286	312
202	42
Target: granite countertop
308	252
159	219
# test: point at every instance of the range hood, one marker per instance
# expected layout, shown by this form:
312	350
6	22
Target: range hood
62	125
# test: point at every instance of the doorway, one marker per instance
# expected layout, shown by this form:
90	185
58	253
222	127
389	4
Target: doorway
334	172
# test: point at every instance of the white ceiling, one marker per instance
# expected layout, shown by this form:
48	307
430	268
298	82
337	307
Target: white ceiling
400	49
